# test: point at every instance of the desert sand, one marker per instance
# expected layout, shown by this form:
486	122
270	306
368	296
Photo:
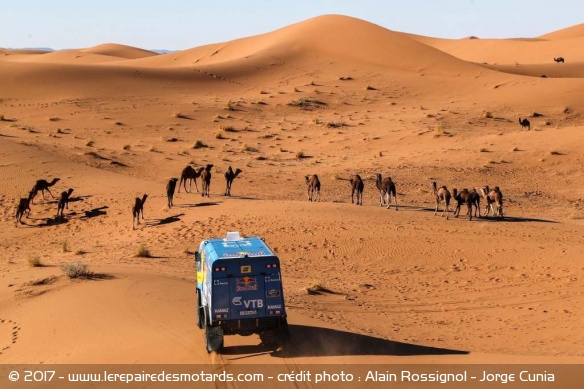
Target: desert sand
333	96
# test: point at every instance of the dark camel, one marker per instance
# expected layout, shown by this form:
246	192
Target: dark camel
386	188
63	202
42	185
313	184
465	197
170	187
229	177
357	185
206	179
442	194
559	59
525	124
23	206
137	208
191	174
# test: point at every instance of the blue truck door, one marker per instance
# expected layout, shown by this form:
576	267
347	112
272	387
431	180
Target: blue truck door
247	296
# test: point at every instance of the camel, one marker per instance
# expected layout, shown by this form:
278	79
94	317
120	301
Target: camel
313	184
42	185
559	59
170	187
191	174
493	196
23	206
386	188
441	194
357	185
525	123
463	197
137	208
63	202
229	177
206	179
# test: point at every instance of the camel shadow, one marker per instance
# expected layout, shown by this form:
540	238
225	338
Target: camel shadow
308	341
166	220
205	204
78	198
94	212
515	219
241	197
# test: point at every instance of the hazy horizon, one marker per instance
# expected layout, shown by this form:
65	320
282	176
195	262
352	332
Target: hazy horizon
179	25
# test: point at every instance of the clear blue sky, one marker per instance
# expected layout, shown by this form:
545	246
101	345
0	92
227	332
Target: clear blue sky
182	24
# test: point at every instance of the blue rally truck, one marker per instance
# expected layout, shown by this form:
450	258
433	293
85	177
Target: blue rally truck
239	291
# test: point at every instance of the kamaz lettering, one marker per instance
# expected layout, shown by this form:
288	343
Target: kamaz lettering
248	277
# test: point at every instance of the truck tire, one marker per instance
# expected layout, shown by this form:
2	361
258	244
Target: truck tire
200	312
213	335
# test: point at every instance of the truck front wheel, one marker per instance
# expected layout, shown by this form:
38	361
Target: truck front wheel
200	312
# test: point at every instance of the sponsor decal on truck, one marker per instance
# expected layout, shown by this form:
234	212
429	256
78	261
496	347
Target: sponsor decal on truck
246	284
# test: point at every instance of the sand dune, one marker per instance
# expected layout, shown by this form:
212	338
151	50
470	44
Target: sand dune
333	96
571	32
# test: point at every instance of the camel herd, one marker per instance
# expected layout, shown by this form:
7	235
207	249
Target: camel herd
188	174
387	190
42	186
472	198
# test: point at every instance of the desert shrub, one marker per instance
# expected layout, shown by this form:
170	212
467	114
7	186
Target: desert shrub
228	128
306	103
143	252
35	262
76	269
300	154
199	144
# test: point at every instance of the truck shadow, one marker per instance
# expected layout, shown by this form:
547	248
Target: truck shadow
308	341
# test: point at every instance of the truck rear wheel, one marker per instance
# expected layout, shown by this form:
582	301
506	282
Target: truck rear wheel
213	338
213	335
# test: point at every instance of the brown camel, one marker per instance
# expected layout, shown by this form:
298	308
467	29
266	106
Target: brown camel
137	208
441	194
170	187
206	179
313	184
23	206
229	177
559	59
357	185
63	202
493	196
42	185
525	124
386	188
462	197
191	174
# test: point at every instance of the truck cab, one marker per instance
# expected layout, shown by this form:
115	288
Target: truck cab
239	290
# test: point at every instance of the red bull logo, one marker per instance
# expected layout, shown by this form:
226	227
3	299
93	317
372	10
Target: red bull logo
246	284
